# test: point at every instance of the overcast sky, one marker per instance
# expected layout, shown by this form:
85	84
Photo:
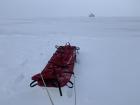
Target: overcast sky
55	8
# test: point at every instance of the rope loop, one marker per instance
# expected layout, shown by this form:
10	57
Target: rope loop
67	44
33	83
71	84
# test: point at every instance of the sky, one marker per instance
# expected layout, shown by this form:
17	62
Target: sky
65	8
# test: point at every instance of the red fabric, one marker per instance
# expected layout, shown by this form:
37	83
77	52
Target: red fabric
60	67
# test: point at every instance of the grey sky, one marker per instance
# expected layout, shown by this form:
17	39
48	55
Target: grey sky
52	8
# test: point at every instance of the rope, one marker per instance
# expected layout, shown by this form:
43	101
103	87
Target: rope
75	98
47	90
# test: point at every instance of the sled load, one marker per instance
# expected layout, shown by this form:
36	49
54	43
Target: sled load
58	71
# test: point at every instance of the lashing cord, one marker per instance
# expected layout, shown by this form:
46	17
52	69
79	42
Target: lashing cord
47	89
75	97
72	85
75	100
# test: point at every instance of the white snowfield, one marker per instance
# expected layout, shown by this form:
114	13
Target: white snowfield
107	69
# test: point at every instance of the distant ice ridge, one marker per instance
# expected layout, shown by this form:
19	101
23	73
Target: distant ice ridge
97	27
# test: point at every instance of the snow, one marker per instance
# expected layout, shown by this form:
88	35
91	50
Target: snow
107	71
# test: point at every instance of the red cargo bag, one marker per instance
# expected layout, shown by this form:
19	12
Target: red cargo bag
58	71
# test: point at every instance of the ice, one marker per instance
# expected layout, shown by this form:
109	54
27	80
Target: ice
107	69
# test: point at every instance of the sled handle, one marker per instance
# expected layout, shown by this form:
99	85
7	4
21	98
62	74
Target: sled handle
33	84
67	44
56	46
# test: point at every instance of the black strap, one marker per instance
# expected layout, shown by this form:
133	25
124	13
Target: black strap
55	83
60	91
71	84
69	72
33	84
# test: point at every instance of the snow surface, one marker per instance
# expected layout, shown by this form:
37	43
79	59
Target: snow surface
108	67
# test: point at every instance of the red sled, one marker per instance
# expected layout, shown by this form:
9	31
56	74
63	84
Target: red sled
58	71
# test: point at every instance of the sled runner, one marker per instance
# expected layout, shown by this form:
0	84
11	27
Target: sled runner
58	71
